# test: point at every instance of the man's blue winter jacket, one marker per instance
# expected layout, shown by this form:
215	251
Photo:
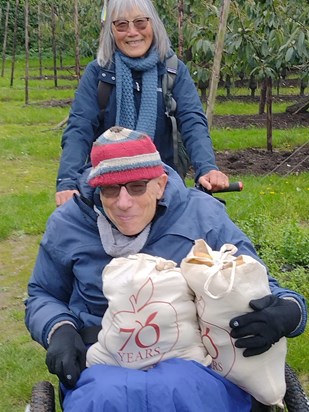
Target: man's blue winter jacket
66	283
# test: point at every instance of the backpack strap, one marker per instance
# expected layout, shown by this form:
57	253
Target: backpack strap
104	91
168	80
168	83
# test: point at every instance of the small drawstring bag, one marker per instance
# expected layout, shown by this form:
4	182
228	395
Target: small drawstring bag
224	284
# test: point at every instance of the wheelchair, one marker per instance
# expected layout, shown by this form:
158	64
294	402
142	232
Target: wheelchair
295	399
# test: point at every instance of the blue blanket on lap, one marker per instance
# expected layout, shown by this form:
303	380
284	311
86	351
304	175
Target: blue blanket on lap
174	385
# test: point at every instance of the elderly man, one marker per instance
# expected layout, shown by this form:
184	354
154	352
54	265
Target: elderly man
133	203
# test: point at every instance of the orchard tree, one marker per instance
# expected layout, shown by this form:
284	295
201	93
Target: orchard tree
198	21
266	37
217	59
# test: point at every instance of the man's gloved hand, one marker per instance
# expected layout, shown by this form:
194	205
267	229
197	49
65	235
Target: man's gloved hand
272	319
66	355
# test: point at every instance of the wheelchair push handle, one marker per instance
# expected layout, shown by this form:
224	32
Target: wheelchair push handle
233	187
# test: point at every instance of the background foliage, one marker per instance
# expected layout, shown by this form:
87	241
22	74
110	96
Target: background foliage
264	38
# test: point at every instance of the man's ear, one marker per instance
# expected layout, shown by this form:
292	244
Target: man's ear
162	181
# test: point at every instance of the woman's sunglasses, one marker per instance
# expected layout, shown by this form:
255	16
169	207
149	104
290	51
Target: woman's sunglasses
123	25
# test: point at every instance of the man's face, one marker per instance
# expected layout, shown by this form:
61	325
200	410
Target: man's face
131	214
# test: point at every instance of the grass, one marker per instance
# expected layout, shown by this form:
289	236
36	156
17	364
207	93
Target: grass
245	91
237	108
272	210
235	139
22	361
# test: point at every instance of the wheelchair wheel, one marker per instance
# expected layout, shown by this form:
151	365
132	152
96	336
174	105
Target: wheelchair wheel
43	397
295	398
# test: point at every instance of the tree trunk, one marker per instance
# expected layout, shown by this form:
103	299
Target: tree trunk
202	86
217	60
262	97
77	40
203	95
5	36
180	28
40	40
269	119
27	51
60	58
252	85
187	55
227	85
54	47
303	85
14	43
278	86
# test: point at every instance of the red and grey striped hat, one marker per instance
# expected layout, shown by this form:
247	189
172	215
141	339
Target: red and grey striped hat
122	155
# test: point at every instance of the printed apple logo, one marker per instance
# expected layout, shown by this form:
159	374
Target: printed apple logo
217	341
145	334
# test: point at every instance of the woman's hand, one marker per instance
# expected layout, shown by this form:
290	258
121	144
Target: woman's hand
64	196
214	181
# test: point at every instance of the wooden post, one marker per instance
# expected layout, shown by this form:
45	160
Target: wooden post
27	51
180	28
217	60
14	43
40	40
54	47
77	51
263	93
269	118
6	26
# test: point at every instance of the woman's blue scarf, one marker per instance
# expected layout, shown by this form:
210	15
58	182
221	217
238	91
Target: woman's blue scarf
126	115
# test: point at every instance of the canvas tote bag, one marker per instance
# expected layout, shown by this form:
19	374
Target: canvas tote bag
151	315
224	285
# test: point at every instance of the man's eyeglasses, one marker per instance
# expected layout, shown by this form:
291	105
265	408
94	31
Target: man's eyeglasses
136	188
123	25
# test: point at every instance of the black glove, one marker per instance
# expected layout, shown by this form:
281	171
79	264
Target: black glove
66	355
272	318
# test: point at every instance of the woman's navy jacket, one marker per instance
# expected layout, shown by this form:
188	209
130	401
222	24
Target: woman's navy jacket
84	125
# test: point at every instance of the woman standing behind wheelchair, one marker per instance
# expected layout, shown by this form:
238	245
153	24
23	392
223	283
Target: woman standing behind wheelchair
132	55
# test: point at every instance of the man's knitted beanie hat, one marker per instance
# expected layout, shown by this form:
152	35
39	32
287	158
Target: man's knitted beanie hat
122	155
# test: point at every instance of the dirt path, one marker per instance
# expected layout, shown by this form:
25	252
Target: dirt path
259	161
262	162
280	121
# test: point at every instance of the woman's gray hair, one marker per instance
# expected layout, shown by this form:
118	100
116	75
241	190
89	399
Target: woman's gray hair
117	9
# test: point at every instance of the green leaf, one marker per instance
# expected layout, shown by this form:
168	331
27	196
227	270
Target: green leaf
300	42
238	43
289	54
